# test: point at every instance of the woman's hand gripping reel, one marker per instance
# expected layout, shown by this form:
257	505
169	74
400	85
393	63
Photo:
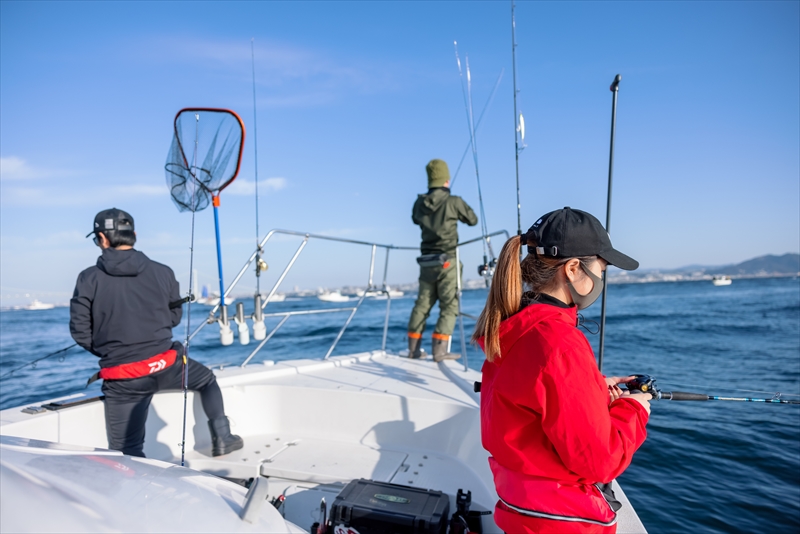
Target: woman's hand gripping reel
647	384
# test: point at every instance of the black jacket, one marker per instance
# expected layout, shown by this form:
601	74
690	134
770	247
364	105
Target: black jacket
120	308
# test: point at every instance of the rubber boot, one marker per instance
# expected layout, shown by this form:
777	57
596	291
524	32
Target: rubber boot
440	350
222	441
415	348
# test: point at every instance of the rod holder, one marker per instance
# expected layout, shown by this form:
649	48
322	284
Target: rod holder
225	332
259	328
244	330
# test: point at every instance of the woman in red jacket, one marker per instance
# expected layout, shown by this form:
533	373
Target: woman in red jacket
558	431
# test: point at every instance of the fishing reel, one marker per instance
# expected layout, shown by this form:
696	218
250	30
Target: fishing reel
644	384
647	384
486	270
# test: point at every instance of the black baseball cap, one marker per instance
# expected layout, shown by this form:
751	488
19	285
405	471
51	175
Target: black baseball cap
111	221
569	233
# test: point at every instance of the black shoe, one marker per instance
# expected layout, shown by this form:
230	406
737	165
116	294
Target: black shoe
222	441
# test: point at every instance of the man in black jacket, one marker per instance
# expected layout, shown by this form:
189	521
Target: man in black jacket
123	311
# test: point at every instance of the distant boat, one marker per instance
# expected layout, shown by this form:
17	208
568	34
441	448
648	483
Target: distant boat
332	296
213	299
36	305
378	294
721	280
277	297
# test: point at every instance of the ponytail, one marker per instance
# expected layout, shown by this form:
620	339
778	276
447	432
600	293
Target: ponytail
505	296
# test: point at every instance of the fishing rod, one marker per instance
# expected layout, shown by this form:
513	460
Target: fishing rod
487	268
37	360
647	384
259	329
614	90
187	338
477	125
519	121
255	153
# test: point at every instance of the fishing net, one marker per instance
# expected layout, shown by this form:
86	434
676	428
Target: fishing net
204	157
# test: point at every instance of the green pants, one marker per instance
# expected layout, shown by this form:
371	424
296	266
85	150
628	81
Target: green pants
436	283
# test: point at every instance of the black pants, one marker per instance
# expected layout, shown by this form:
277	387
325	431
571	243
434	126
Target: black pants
127	402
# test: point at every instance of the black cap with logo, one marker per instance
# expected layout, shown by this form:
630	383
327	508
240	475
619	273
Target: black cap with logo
111	221
569	233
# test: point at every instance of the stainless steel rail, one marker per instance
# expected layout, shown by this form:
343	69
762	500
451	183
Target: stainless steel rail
371	288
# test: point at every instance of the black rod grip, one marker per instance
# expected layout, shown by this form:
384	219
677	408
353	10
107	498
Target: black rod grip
683	396
615	84
178	303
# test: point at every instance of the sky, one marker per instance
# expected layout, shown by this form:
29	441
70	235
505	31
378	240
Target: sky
354	98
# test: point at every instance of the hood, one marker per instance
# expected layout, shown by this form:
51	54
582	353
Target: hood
513	328
434	199
122	262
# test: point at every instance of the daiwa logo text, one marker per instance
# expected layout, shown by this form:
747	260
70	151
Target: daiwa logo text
157	366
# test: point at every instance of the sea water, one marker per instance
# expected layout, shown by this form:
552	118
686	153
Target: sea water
705	467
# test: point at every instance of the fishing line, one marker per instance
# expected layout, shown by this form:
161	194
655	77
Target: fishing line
477	125
484	224
467	95
37	360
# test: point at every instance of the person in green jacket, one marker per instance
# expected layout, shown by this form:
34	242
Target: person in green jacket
437	213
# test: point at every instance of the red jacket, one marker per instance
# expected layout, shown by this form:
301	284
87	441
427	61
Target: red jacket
547	422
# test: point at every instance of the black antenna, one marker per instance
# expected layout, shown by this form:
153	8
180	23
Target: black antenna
615	90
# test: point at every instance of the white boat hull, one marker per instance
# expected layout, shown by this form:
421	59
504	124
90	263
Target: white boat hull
334	296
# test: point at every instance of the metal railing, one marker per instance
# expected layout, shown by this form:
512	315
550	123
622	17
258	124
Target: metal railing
371	288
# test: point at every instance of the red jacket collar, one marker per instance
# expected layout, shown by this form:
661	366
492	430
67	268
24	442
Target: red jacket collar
526	319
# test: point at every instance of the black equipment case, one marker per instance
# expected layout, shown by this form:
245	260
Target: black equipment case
370	507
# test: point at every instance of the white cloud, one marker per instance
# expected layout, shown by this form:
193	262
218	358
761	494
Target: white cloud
68	238
14	168
58	196
242	187
140	190
291	75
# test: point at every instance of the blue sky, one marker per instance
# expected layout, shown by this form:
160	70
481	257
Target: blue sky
353	99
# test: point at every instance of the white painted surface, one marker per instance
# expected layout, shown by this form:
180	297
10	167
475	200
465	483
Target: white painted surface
49	487
311	426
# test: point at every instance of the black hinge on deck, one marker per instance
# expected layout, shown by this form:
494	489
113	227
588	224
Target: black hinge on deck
54	406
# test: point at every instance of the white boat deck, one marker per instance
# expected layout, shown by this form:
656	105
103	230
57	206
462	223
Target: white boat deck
311	426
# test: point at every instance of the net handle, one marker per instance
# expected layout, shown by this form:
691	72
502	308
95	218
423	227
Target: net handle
217	191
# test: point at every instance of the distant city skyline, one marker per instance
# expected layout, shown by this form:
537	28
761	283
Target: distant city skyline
353	99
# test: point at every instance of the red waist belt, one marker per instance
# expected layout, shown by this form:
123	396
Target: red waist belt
157	363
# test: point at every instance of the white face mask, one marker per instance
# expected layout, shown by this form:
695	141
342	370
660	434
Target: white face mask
584	301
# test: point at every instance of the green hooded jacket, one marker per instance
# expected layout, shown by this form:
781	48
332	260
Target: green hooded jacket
437	213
